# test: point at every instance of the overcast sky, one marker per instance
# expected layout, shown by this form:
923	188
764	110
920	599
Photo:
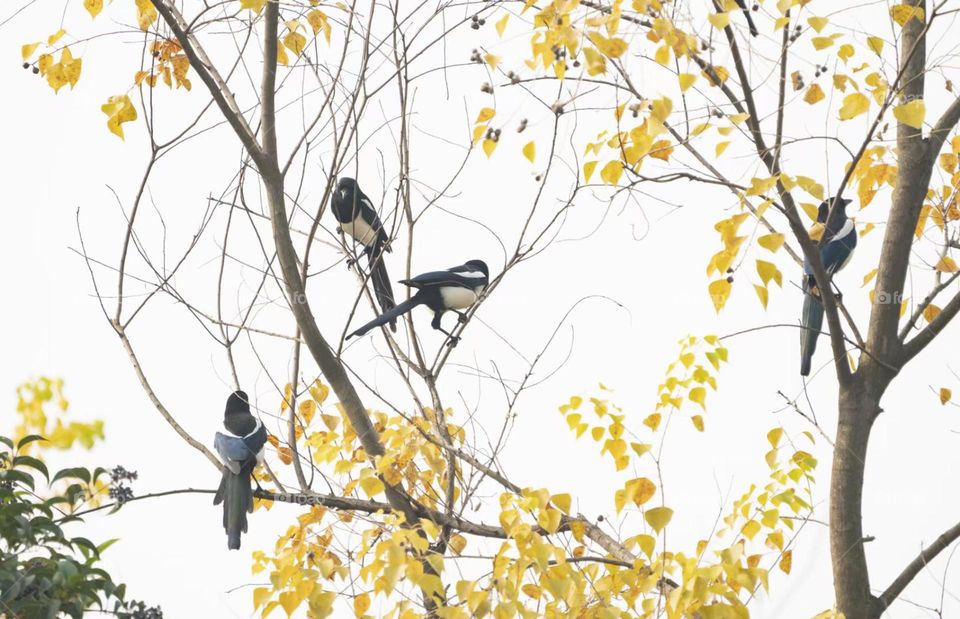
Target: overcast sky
642	263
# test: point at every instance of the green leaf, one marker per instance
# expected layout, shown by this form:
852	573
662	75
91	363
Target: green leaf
26	440
33	463
76	472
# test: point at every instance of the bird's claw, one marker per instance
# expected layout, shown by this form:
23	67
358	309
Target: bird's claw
461	317
453	341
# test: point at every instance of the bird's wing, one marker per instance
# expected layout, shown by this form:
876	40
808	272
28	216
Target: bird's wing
256	439
836	253
233	449
437	278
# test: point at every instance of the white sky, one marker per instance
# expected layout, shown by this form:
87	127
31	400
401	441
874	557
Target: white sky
172	552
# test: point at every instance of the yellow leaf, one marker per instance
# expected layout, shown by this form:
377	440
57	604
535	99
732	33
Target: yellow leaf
588	169
361	604
719	20
821	43
719	293
612	172
289	600
771	242
817	23
146	14
282	55
845	52
930	312
501	24
763	293
768	271
721	146
318	21
653	421
485	114
774	436
371	485
530	151
549	519
697	422
119	109
853	105
946	265
814	94
911	113
662	55
491	60
875	44
869	276
93	7
945	395
612	48
295	42
562	501
686	81
260	596
489	146
457	543
640	490
750	529
254	5
56	36
27	50
698	395
658	517
902	13
596	62
786	561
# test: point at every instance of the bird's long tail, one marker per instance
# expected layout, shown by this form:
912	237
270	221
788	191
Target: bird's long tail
390	316
811	322
237	497
381	286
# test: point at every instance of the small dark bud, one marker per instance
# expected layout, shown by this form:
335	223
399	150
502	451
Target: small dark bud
599	518
730	280
26	65
36	70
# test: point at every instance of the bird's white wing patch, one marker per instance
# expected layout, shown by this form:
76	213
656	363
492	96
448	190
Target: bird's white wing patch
471	274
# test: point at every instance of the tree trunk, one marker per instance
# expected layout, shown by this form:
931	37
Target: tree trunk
857	411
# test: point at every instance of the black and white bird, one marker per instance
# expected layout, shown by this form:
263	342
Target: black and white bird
836	247
241	448
359	220
746	11
454	289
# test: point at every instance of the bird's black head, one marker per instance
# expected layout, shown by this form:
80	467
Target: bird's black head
479	265
238	402
824	211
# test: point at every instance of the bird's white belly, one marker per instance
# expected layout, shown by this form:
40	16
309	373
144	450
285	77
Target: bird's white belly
360	230
455	297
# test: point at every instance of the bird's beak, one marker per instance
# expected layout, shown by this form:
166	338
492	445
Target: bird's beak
816	231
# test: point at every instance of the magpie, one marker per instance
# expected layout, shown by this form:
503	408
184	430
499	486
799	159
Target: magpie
746	11
836	248
454	289
358	219
241	448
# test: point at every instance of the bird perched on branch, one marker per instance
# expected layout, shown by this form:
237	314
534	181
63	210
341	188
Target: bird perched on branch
838	240
241	448
454	289
359	220
746	11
